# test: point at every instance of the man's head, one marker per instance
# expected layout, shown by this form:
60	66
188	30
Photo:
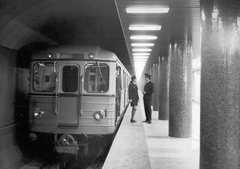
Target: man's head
147	76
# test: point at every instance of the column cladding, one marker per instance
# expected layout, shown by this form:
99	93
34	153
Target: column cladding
156	87
220	84
163	88
180	89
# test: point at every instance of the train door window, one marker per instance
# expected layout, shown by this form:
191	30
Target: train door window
96	78
119	79
70	78
44	77
124	79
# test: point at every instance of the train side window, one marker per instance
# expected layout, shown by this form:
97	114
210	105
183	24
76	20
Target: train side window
44	77
70	79
96	78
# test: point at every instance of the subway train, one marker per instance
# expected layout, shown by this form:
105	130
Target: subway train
76	93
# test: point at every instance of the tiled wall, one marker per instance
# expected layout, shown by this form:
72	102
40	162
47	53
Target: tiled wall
7	97
7	86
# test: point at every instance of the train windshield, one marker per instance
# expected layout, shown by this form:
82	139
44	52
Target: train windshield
44	77
70	78
96	78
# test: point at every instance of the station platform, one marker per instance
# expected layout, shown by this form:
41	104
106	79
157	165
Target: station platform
147	146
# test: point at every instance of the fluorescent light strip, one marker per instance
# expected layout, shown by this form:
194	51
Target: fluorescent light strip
139	66
140	57
142	44
136	59
140	62
141	50
153	9
141	54
143	37
145	27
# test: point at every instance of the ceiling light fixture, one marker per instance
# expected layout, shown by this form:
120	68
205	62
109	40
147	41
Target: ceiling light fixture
149	9
140	61
142	44
141	50
143	60
141	54
140	58
143	37
145	27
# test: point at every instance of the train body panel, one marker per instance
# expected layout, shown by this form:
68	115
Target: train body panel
74	123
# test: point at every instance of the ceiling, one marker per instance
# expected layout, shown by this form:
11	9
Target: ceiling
98	22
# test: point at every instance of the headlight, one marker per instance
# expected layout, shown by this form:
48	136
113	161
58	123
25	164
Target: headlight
49	55
38	113
98	115
90	56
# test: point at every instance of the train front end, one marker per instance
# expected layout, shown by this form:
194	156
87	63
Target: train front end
72	96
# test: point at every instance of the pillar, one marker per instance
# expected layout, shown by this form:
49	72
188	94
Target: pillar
156	87
180	91
220	84
163	63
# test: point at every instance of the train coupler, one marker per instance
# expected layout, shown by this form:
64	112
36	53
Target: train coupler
66	144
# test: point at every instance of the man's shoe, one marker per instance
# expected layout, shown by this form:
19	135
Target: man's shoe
145	121
149	122
134	121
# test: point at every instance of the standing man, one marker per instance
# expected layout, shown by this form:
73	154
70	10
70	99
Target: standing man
133	97
147	98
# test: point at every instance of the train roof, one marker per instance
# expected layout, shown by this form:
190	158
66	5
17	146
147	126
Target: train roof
74	52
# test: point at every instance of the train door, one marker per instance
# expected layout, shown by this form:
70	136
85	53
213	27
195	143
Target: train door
118	91
69	95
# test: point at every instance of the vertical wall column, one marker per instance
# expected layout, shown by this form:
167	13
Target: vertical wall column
180	89
156	87
220	85
163	88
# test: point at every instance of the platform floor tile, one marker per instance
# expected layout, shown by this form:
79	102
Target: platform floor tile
129	149
147	146
168	152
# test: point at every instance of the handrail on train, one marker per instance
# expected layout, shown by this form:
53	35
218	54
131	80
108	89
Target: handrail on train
81	83
56	89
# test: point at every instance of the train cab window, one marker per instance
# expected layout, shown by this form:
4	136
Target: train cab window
70	79
96	78
44	77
